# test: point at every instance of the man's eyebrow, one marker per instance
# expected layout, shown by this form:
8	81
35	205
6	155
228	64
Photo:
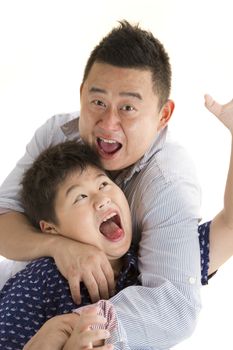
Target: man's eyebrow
131	94
95	89
73	187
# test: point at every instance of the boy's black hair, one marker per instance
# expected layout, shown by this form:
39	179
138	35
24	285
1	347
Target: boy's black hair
41	181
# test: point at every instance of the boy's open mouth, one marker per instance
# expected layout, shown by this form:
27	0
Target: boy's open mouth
111	227
108	146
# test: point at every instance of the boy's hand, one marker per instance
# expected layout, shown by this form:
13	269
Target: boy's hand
85	336
80	262
54	333
71	331
223	112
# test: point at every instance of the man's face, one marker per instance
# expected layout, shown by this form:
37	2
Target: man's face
119	115
92	209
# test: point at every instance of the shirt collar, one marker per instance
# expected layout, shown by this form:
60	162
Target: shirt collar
125	175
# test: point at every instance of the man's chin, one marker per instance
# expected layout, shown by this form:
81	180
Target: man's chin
114	164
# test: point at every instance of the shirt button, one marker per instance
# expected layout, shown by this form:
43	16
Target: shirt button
192	280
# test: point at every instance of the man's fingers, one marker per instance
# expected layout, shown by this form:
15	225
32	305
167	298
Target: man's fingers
213	106
109	275
74	283
102	284
92	287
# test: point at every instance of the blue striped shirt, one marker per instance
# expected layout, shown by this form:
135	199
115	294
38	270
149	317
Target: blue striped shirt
164	198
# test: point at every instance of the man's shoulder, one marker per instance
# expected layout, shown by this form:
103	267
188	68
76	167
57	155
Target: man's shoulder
169	173
67	122
172	162
58	128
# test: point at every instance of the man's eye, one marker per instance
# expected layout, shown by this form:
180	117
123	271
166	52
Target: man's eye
79	198
99	103
128	108
104	184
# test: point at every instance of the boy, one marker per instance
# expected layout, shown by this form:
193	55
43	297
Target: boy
66	191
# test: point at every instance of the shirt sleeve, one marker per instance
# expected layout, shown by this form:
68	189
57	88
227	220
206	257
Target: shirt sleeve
46	135
163	311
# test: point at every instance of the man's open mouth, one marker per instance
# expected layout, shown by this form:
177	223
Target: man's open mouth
108	146
111	227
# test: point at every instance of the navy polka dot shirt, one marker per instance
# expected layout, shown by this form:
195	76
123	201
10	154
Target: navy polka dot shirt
40	292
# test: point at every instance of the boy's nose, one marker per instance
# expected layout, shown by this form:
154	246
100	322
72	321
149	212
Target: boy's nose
102	203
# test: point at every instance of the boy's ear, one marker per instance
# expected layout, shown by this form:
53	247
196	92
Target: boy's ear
48	227
165	114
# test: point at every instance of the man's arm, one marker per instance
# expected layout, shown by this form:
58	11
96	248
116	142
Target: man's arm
221	229
140	300
20	241
163	311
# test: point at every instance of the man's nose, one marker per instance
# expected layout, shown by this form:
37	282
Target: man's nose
110	120
102	202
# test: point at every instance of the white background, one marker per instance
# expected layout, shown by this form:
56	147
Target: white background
44	46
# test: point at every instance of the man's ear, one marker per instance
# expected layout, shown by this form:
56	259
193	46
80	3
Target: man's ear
165	114
48	227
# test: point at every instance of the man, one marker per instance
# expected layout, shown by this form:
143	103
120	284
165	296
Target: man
125	108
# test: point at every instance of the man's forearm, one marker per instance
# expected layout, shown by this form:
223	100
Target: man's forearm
19	240
228	197
157	318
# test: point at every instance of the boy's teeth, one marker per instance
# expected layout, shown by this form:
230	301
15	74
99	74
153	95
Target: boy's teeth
108	141
109	217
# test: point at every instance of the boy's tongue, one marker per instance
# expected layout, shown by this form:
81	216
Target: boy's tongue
108	147
111	230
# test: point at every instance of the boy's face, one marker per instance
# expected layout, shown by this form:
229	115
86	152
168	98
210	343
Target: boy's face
92	209
120	115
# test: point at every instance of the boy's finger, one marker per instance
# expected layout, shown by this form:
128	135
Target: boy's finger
91	336
87	321
106	347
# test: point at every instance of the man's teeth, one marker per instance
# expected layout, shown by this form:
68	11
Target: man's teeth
107	141
109	217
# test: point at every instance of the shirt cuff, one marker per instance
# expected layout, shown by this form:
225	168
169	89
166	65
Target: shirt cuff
107	310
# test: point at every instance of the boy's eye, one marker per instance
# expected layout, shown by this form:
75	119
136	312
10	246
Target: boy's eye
79	198
104	184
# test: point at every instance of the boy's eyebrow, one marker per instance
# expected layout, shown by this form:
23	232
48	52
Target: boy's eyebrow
73	187
94	89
